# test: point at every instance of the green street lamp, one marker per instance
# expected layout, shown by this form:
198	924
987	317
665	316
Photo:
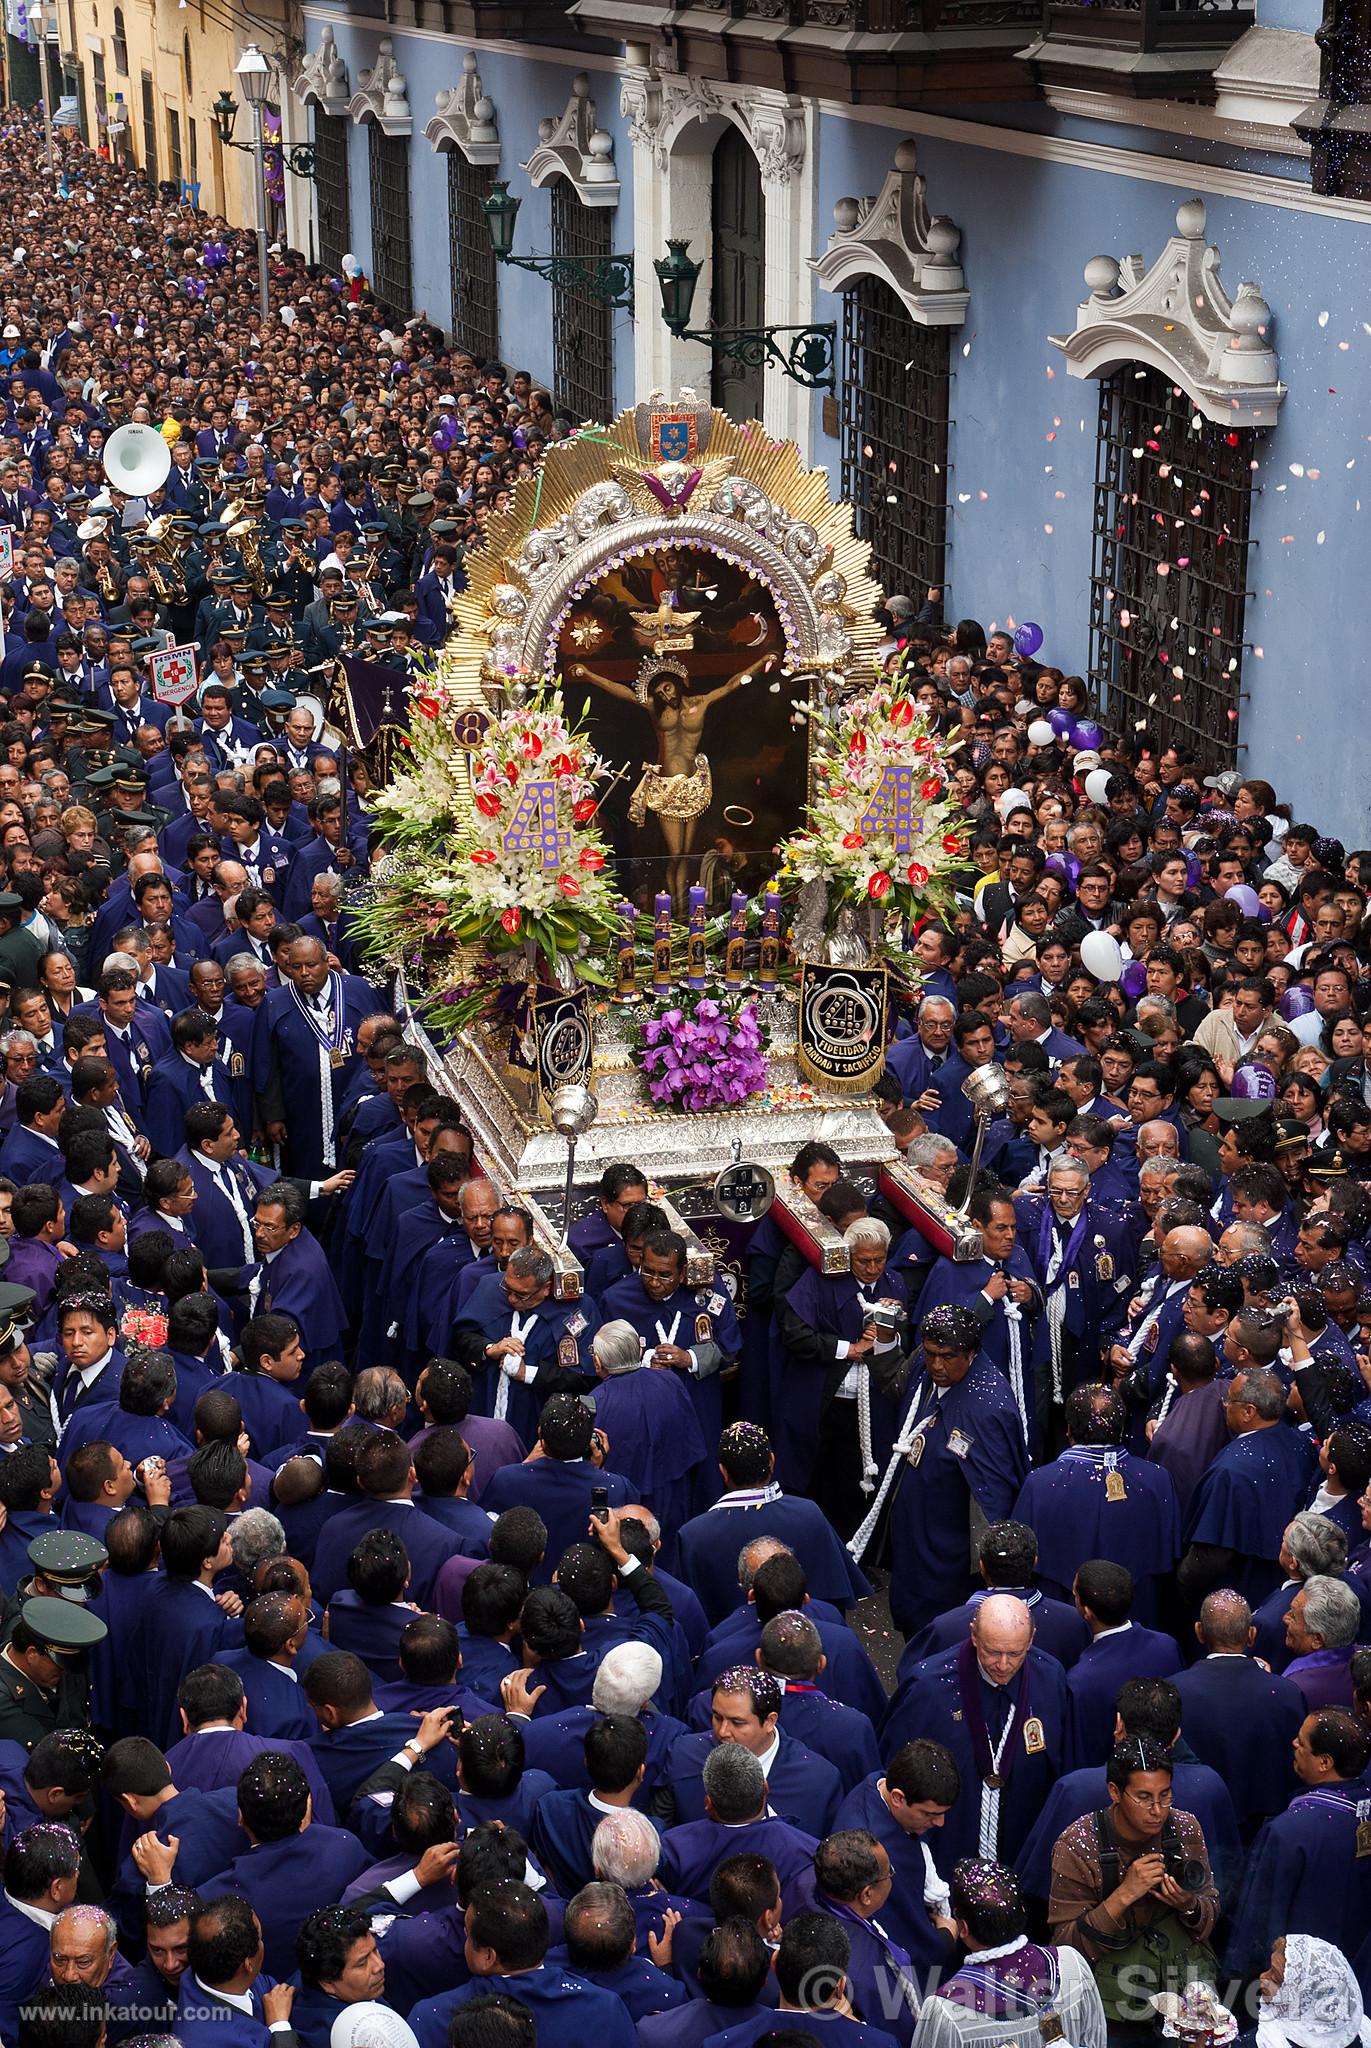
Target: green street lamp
501	210
225	112
677	277
607	279
804	354
297	157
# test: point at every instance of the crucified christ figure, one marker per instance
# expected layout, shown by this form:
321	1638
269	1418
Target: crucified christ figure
677	786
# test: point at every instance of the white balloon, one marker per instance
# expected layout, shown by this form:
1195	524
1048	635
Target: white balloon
1100	956
1097	785
1040	733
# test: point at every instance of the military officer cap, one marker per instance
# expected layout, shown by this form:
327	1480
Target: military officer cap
10	904
63	1627
96	715
37	672
16	1312
69	1560
274	599
274	700
146	818
419	499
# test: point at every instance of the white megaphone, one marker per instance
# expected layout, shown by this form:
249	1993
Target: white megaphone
137	460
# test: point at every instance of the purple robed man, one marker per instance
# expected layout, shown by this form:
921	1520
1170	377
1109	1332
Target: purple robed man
1099	1501
960	1458
1000	1706
840	1356
649	1418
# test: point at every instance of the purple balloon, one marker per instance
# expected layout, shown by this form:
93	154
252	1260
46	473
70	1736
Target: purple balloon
1060	722
1246	898
1028	638
1252	1082
1297	1001
1133	980
1086	735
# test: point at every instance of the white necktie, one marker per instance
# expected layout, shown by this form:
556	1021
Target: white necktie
228	1186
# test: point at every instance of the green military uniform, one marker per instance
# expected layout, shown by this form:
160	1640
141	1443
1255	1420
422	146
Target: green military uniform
20	951
29	1711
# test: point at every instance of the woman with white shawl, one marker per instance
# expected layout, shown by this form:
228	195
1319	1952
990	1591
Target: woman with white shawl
1310	1998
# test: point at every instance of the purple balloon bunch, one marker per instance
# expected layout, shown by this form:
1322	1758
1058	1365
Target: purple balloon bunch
1083	733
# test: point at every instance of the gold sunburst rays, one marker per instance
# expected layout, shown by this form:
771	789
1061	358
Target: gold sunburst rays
518	588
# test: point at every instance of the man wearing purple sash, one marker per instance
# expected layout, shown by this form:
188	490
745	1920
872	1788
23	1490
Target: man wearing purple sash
1008	1991
999	1705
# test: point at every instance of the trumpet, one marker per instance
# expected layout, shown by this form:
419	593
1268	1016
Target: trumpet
107	583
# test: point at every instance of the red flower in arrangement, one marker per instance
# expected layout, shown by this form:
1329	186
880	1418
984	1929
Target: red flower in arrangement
511	771
852	840
857	743
566	764
483	858
930	789
923	746
583	811
531	745
511	921
877	887
917	875
592	858
568	885
428	705
488	804
902	712
951	843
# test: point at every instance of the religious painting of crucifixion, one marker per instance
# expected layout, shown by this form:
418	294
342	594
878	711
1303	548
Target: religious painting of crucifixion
678	659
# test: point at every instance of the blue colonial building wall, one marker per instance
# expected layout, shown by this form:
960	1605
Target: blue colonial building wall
1022	439
525	89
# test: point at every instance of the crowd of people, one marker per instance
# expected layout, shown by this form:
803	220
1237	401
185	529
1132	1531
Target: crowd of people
397	1651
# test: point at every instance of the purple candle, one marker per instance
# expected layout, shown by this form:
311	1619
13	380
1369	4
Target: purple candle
661	946
733	956
696	962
